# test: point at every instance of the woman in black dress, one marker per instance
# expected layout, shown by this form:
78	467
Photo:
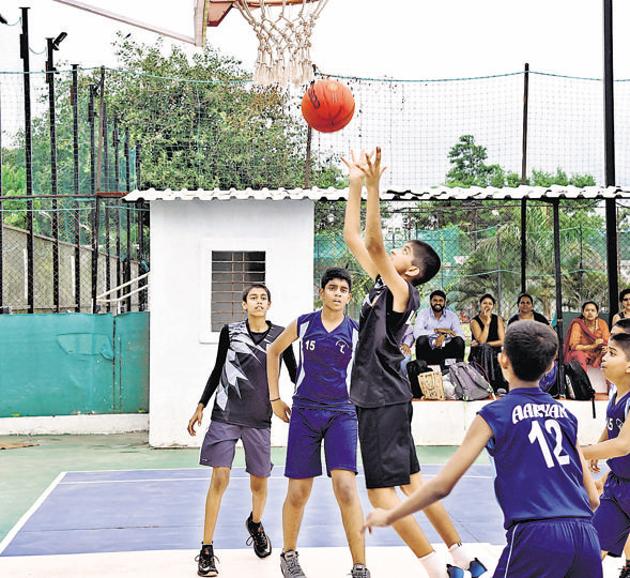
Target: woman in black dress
488	331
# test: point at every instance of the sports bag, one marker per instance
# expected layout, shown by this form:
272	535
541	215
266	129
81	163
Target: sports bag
469	383
414	369
431	385
578	384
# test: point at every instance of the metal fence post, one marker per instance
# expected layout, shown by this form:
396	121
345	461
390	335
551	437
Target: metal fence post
50	80
28	154
75	154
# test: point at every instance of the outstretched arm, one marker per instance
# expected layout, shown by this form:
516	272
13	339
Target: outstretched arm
352	221
274	351
589	484
374	242
440	486
612	448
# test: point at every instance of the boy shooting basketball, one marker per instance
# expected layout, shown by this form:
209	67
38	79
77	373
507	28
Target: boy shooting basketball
241	411
379	387
322	413
542	480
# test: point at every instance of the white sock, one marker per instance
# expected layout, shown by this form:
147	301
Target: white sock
433	565
461	556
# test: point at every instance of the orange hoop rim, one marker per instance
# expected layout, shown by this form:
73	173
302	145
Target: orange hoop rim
259	3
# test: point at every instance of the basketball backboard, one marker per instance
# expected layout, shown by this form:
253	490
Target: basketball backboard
205	13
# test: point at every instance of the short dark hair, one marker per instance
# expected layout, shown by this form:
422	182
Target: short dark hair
623	294
488	296
438	293
530	347
518	301
256	286
584	307
624	324
427	261
336	273
623	341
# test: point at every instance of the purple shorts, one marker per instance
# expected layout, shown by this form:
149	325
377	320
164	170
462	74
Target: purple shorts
219	445
612	518
554	548
307	429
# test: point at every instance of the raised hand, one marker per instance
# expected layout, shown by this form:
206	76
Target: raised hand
371	168
355	174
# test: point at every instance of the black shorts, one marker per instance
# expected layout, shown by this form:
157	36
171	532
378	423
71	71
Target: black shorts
387	447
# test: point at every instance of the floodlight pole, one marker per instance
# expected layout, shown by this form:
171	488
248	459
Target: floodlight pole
609	156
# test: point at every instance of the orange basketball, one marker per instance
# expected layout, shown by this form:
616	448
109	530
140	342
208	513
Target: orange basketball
328	105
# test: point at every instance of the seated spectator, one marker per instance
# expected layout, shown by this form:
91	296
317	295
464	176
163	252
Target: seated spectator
488	331
438	333
624	311
526	311
587	337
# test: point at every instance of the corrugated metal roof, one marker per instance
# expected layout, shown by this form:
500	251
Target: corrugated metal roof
425	194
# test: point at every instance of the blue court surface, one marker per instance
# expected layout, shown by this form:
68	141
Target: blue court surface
141	510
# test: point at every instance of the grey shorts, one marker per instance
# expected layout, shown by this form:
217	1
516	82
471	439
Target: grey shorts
219	446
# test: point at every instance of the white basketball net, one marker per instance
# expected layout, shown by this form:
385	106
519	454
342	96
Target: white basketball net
284	40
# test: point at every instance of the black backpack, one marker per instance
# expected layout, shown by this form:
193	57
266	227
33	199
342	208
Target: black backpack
414	369
578	384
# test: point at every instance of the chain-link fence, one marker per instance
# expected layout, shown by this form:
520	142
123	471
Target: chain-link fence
209	128
480	248
57	269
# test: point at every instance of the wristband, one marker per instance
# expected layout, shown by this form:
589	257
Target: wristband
272	400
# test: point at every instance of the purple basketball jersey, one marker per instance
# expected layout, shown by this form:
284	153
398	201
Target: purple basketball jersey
325	362
538	469
615	418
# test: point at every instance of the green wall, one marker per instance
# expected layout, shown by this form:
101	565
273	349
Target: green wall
75	363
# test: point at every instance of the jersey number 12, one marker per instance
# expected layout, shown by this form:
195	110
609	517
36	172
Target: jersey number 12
536	435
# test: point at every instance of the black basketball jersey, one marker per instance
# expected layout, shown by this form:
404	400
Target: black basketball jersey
377	376
243	394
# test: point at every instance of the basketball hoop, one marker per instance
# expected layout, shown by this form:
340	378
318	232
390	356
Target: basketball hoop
283	29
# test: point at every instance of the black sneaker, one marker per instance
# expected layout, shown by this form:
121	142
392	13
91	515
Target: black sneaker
207	562
257	538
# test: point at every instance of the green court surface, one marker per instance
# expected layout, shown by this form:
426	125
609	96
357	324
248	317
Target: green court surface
26	472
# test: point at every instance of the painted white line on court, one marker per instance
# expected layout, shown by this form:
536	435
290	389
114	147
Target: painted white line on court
207	478
22	521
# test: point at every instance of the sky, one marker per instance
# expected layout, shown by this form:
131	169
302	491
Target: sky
408	39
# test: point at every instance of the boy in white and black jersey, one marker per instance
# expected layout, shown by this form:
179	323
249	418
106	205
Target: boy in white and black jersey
379	387
241	411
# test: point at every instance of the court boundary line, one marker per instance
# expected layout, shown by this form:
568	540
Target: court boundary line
207	478
27	515
200	467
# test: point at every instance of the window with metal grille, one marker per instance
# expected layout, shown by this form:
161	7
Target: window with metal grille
232	272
